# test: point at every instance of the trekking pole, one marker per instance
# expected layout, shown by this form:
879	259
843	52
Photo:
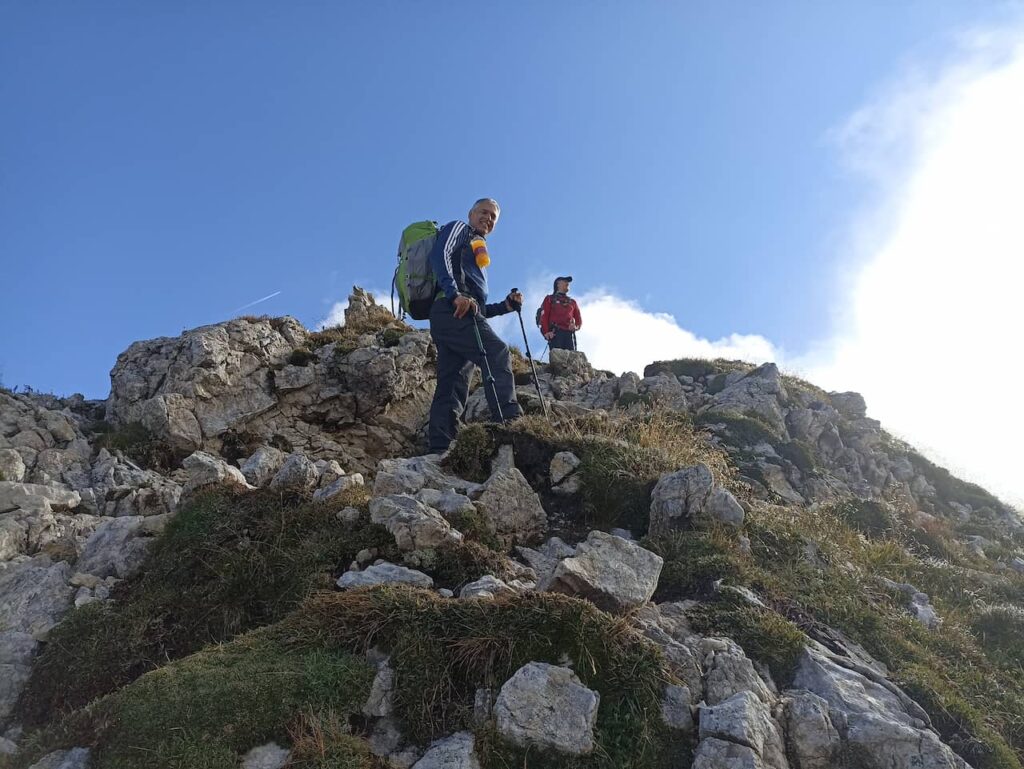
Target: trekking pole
488	376
536	380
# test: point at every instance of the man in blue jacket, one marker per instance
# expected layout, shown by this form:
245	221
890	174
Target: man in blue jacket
459	260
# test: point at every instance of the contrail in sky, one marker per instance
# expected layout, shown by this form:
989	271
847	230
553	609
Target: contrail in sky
268	296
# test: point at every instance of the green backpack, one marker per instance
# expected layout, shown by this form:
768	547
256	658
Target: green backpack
414	277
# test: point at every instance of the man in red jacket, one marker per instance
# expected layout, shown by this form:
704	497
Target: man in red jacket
560	316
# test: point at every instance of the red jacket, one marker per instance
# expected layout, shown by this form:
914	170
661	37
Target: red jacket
559	312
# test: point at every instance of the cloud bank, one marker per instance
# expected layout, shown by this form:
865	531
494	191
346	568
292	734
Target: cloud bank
932	331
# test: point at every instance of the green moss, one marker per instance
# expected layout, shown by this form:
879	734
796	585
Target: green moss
470	454
870	517
764	635
224	565
741	429
210	708
443	651
616	479
696	367
694	561
628	399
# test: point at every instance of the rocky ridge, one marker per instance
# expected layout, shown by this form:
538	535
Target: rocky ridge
255	404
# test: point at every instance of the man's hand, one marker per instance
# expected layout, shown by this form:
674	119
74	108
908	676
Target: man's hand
514	300
464	304
550	335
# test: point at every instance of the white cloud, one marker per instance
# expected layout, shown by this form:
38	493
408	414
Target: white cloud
932	333
619	335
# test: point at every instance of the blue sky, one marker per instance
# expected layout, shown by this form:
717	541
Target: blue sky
162	164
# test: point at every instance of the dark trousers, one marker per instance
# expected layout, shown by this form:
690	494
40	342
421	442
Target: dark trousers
457	354
563	340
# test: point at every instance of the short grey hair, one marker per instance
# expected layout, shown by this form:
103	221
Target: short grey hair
492	201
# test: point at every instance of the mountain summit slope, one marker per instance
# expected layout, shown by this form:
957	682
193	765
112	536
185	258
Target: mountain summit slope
240	559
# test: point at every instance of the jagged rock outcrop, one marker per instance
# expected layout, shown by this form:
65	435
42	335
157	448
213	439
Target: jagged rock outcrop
215	384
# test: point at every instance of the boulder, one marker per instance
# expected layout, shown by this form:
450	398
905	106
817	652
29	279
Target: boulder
547	706
744	719
675	708
714	753
297	475
117	548
76	758
762	392
263	465
16	650
269	756
454	752
413	525
34	595
545	559
564	478
37	497
344	483
384	574
12	466
407	475
728	671
511	509
688	494
205	470
487	586
381	702
615	574
813	739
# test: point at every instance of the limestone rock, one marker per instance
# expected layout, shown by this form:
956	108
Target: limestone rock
344	483
814	740
12	466
547	707
16	650
34	595
448	503
688	494
675	708
564	478
487	586
413	525
714	753
744	719
613	573
761	391
409	475
383	574
545	559
511	509
381	702
76	758
298	475
206	470
729	671
263	465
269	756
454	752
36	497
117	548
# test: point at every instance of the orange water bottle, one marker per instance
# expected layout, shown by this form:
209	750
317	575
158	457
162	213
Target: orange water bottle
479	246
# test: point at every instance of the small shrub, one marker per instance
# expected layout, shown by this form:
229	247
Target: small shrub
741	429
137	443
301	356
470	455
1001	627
443	651
764	635
694	561
870	517
225	564
212	707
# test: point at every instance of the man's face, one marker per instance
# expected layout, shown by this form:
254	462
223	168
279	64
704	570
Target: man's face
562	287
483	217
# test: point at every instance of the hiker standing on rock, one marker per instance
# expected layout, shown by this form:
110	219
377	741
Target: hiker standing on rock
459	327
560	316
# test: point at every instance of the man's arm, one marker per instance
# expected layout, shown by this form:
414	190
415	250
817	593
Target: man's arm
576	314
449	240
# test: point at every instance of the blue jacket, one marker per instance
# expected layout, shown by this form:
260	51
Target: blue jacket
456	270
